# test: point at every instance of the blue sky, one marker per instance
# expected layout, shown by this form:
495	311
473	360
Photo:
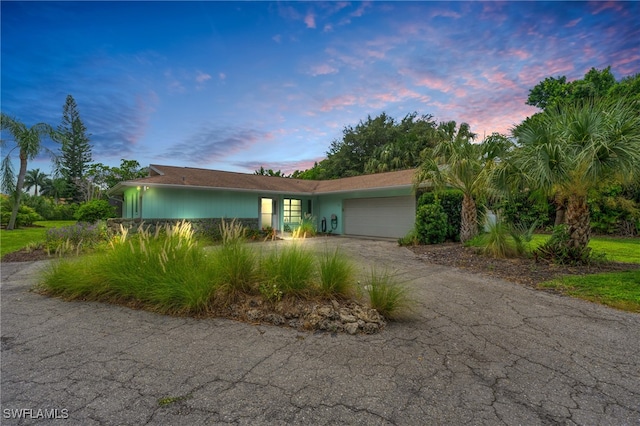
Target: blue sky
237	85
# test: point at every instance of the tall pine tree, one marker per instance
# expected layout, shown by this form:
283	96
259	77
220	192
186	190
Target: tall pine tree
76	150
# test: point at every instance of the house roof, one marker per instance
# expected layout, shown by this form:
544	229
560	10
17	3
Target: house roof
189	177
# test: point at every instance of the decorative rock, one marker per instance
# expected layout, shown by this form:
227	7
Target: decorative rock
254	314
370	328
351	328
274	319
348	318
324	311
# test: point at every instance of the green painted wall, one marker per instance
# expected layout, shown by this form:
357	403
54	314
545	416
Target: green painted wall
329	204
161	203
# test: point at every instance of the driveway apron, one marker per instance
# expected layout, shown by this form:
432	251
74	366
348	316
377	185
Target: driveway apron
474	350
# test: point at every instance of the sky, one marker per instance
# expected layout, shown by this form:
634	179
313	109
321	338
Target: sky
238	85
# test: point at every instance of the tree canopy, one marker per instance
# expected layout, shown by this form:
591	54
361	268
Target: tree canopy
378	144
595	84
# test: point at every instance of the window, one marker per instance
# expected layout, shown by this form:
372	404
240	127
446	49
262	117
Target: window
292	210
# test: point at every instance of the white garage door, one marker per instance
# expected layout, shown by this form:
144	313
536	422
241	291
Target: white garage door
389	217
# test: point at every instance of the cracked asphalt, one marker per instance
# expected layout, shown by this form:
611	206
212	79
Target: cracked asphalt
475	350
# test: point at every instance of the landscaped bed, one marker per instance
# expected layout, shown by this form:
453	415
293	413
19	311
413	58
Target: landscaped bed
168	272
608	282
520	270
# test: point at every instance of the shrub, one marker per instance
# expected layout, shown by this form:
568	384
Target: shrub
431	224
67	239
522	210
556	249
386	295
64	212
612	211
307	227
235	268
291	268
95	210
26	215
336	274
451	202
42	205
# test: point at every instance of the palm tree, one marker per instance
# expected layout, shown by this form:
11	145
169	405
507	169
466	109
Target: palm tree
457	162
572	148
54	188
28	142
34	178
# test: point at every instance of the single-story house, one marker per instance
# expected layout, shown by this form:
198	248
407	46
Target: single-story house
378	205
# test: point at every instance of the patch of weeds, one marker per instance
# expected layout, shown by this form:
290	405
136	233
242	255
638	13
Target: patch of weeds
168	400
270	292
410	239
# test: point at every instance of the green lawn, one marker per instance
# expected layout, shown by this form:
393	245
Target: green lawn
616	249
620	290
17	239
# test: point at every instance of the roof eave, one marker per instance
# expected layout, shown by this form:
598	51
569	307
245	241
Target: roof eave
120	187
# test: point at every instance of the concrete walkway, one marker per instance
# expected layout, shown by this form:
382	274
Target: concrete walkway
476	351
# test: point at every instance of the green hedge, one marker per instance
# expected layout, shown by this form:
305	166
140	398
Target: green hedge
431	224
451	202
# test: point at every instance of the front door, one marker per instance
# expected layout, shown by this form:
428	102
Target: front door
268	213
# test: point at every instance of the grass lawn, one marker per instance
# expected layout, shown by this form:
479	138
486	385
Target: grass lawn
616	249
619	290
17	239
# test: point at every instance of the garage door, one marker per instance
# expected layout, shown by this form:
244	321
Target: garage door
389	217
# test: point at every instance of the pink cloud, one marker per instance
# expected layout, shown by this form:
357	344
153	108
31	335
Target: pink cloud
519	53
310	20
500	79
440	84
534	74
287	167
573	23
351	60
399	94
338	102
322	69
626	62
602	6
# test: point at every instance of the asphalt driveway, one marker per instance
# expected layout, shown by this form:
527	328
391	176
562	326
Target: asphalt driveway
475	351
